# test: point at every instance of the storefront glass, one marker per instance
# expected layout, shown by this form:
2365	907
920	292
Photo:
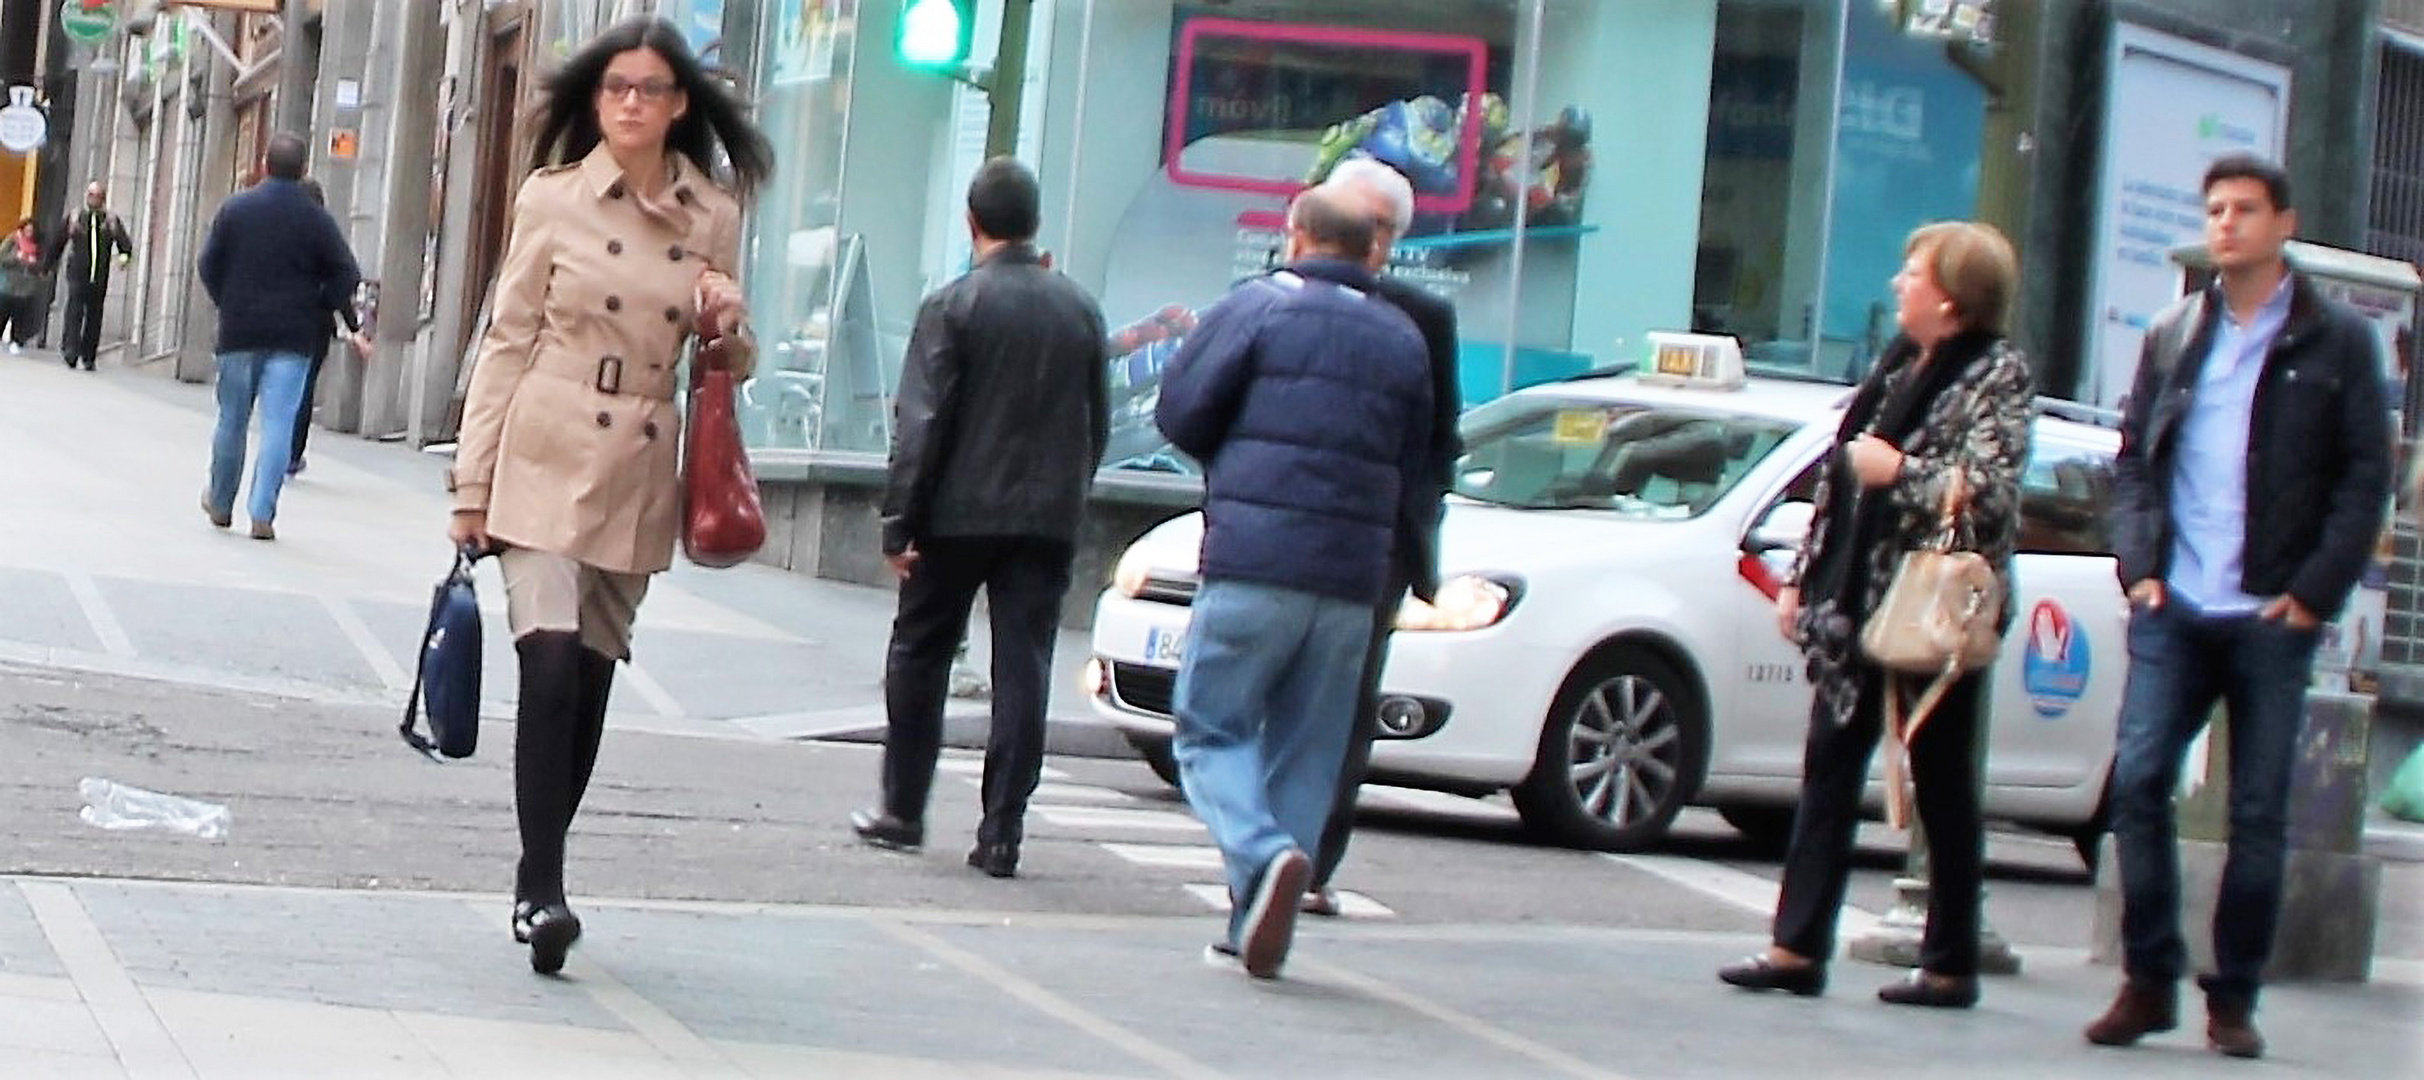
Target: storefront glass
1587	172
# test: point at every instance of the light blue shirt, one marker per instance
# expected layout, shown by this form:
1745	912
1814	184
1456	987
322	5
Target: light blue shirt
2209	475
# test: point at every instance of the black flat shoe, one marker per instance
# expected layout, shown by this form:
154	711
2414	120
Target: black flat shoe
1761	973
882	830
1931	991
996	860
550	931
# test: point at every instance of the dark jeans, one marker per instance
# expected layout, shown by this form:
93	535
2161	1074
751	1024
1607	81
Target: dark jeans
80	337
311	390
2180	663
23	317
1944	774
1358	762
1024	579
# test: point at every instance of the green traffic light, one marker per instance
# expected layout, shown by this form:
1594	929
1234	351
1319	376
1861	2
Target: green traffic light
933	34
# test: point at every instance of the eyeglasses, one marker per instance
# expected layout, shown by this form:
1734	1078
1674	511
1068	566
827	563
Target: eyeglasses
653	91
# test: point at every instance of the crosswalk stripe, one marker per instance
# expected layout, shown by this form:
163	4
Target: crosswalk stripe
1173	856
1351	904
1109	817
963	764
653	691
382	663
1051	791
106	627
1750	892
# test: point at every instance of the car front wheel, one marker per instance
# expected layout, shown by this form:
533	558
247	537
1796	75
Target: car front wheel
1158	757
1619	754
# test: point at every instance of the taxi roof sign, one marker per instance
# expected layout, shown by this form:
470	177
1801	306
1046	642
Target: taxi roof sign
1705	361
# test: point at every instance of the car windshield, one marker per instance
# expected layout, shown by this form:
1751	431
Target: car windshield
1542	452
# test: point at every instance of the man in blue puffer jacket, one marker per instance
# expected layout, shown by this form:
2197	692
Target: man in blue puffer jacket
1307	398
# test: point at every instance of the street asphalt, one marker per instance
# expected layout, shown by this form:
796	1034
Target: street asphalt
352	923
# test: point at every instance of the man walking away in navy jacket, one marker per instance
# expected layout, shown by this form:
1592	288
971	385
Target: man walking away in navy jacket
1307	398
275	264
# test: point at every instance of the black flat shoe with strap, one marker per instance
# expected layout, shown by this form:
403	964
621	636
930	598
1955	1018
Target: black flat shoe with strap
1760	973
549	930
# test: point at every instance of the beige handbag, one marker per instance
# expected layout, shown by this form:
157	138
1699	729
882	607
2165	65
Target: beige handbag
1937	620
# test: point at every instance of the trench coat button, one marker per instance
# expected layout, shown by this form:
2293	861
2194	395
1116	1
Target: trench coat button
649	430
614	247
675	253
673	314
605	419
614	303
614	190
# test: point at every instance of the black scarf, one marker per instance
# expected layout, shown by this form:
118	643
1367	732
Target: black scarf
1891	404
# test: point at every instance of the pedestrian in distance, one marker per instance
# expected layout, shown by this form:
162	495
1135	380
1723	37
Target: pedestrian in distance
21	277
2253	479
1388	197
1943	417
1001	421
86	241
351	331
273	262
1307	398
568	465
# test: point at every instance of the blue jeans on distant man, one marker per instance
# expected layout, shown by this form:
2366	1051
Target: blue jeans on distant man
2181	661
274	380
1265	703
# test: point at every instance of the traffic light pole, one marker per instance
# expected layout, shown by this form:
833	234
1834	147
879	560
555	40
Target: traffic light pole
1006	86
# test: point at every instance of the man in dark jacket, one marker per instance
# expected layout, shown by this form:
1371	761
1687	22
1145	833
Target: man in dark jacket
85	243
1389	198
1308	400
2252	482
1000	424
275	264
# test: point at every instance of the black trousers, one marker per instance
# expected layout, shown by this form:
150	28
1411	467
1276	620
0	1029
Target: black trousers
80	337
1358	762
1944	772
1024	579
311	390
22	315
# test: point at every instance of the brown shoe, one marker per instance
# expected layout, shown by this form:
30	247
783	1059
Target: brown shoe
2141	1009
262	530
2230	1028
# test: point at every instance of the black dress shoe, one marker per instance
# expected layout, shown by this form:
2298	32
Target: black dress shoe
1929	990
996	860
882	830
549	930
1760	973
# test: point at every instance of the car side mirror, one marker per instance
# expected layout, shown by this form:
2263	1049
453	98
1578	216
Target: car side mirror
1785	528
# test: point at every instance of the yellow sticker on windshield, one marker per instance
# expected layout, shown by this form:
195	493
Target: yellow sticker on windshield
1581	425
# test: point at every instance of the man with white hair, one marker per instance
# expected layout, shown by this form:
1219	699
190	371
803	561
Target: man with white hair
1389	199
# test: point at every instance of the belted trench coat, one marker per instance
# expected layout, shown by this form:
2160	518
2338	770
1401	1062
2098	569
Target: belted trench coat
572	426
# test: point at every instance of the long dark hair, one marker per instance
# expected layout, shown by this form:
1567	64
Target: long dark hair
568	115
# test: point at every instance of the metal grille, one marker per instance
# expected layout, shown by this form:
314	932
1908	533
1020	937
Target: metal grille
1145	689
2396	230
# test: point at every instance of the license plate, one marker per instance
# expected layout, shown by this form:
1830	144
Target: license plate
1164	646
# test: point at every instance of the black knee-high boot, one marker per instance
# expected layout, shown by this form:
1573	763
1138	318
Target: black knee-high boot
597	680
546	750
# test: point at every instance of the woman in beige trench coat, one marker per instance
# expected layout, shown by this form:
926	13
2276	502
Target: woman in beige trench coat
568	464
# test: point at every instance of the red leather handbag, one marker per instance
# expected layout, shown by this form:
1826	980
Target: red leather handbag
722	523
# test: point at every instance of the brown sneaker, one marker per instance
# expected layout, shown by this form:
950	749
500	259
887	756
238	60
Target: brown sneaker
2141	1009
262	530
2230	1028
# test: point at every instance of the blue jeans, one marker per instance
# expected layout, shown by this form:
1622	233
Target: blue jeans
2180	663
275	380
1266	704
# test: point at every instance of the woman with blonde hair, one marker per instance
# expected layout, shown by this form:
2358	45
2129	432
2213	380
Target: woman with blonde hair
622	243
1945	411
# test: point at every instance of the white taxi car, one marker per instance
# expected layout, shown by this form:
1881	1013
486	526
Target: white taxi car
1606	645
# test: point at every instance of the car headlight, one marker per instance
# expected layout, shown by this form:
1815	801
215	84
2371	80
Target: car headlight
1464	602
1129	574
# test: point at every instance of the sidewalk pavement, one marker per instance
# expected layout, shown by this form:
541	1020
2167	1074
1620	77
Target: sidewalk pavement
110	978
110	567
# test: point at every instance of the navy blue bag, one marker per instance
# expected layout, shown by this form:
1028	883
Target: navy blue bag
447	679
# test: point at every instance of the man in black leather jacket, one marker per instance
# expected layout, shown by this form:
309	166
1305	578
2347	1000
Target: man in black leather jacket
1000	423
2252	482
